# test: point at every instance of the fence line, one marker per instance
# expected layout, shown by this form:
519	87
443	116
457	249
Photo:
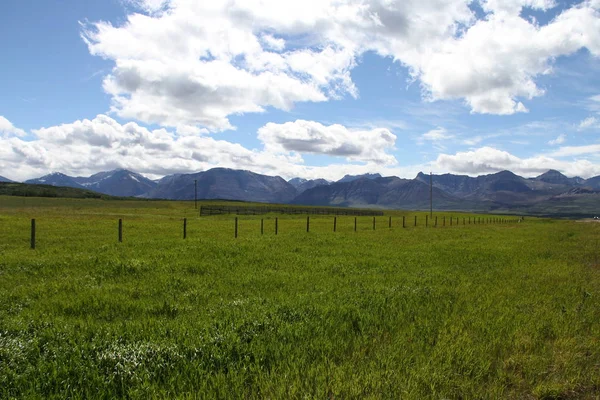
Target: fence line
476	221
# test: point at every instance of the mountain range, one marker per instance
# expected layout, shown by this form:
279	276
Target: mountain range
550	193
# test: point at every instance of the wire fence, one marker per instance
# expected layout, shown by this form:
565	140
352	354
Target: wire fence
397	222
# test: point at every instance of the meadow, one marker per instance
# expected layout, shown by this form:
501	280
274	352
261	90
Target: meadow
470	311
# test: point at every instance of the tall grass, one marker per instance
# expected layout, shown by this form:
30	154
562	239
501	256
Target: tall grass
468	311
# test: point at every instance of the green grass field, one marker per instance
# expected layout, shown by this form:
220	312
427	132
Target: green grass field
469	311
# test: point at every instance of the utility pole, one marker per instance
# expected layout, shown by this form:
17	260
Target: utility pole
195	193
430	194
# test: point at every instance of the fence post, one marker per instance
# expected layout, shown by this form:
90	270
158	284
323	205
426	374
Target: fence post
354	224
236	227
403	219
262	226
390	224
276	225
120	230
426	221
185	228
307	223
415	220
373	223
436	221
444	220
334	223
200	212
33	234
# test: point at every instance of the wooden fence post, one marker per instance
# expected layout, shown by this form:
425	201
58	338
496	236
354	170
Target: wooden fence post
185	228
354	224
403	219
444	220
236	227
373	223
334	223
307	223
120	230
276	225
262	226
390	224
415	220
33	234
436	221
426	221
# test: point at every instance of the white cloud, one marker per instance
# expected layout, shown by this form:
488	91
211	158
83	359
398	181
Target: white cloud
514	6
272	42
496	61
7	129
89	146
569	151
436	135
473	141
334	140
590	122
560	139
489	160
198	63
593	103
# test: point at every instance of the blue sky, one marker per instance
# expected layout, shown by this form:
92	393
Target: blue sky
309	89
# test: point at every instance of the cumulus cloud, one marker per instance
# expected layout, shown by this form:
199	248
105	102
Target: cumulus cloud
198	63
333	140
7	129
560	139
100	144
490	160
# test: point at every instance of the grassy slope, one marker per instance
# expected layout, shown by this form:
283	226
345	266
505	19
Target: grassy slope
470	311
29	190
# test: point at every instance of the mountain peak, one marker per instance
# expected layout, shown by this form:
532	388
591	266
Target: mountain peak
551	172
350	178
555	177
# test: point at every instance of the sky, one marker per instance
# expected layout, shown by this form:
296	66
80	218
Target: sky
311	88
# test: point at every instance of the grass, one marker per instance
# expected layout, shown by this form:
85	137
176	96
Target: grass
468	311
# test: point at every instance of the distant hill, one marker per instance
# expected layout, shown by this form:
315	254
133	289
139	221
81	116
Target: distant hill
226	184
119	182
3	179
593	182
56	179
37	190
